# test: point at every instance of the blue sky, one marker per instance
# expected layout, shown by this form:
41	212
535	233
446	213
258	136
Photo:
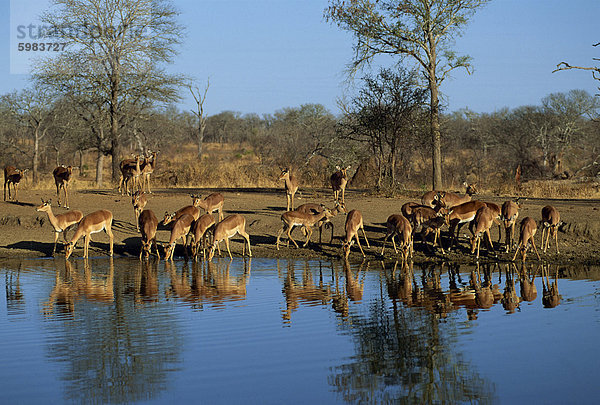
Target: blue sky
265	55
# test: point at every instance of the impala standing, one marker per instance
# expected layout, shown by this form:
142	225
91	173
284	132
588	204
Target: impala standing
291	219
510	213
180	229
147	225
147	170
60	222
291	186
484	219
397	224
429	198
200	230
139	201
459	215
339	179
550	222
62	178
526	234
354	222
13	176
314	208
212	203
227	229
92	223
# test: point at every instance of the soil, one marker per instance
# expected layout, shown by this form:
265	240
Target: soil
27	233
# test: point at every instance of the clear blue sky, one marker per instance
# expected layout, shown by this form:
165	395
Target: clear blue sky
264	55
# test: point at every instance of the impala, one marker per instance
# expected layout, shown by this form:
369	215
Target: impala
212	203
484	219
147	225
429	220
188	209
354	222
550	295
200	230
397	224
526	234
92	223
147	170
227	229
407	210
452	199
291	219
62	177
139	201
60	222
550	223
459	215
13	176
130	171
180	229
509	215
313	209
339	179
291	186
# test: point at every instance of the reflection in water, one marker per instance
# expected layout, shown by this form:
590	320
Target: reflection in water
109	353
15	300
406	354
550	296
208	283
113	327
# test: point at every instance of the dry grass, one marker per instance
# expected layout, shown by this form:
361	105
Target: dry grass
237	166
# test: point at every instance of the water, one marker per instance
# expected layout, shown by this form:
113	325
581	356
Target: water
294	331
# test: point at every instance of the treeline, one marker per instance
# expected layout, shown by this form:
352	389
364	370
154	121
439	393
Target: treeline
382	134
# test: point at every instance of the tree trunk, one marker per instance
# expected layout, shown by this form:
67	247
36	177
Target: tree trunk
115	152
36	155
99	166
201	128
436	137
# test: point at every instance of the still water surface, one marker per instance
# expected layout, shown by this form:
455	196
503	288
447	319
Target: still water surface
293	331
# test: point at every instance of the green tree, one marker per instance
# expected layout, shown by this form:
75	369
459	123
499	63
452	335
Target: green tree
423	30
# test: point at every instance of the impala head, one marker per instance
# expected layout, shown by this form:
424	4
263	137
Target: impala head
146	248
340	207
343	170
46	205
346	247
471	188
169	250
196	199
69	247
211	253
135	198
285	174
168	217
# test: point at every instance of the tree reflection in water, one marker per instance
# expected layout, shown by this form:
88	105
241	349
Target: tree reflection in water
110	354
405	351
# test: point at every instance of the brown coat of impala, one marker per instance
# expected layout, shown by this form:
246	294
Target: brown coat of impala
13	176
92	223
460	215
339	179
213	202
62	178
431	198
527	232
174	216
226	229
61	222
291	186
292	219
509	215
314	208
180	230
354	222
397	224
550	223
139	201
483	221
147	225
200	230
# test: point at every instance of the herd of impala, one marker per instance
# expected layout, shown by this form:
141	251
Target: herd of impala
435	210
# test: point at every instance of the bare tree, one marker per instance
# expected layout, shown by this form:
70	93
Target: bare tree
33	109
595	70
114	53
200	98
423	30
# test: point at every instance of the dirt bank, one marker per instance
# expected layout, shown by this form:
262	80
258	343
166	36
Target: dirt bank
27	233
